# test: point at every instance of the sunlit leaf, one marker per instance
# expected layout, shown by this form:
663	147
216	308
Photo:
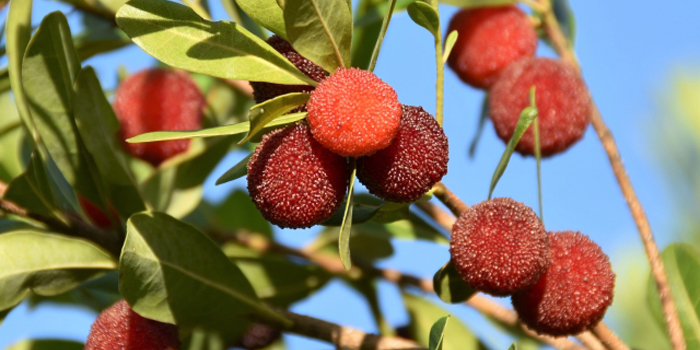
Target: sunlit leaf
425	16
477	3
264	113
267	13
437	333
47	344
449	44
450	286
424	313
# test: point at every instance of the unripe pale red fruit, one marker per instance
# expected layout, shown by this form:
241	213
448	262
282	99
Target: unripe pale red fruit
293	180
414	161
264	91
259	336
354	113
562	99
96	215
155	100
120	328
499	246
574	293
490	38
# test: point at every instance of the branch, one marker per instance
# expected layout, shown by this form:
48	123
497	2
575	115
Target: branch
608	337
449	199
673	324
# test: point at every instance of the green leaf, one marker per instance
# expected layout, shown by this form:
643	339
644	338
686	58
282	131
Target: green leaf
97	294
526	117
46	264
11	140
221	49
321	30
98	127
424	313
170	272
236	172
18	31
380	36
449	286
265	112
32	189
47	344
484	115
449	45
99	35
238	213
513	346
565	17
425	16
477	3
346	226
234	129
49	70
267	13
437	333
682	262
413	227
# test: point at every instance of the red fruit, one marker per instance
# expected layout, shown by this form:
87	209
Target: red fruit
490	39
562	100
574	292
499	246
155	100
258	336
120	328
264	91
354	113
96	215
293	180
414	161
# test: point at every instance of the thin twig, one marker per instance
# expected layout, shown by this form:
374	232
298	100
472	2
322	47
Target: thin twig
673	324
449	199
608	337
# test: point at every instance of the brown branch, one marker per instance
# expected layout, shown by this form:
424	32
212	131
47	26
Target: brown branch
563	47
441	217
449	199
608	337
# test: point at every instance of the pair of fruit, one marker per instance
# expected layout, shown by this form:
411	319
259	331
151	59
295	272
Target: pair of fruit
561	282
495	50
297	176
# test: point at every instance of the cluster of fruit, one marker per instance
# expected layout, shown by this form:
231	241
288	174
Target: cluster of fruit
495	51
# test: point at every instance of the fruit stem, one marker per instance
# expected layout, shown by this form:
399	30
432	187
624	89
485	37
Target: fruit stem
608	337
440	74
538	152
449	199
565	51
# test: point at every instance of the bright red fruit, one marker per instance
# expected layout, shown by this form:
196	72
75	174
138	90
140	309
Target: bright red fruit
155	100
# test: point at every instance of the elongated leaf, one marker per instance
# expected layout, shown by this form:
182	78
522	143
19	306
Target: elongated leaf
264	113
32	189
98	127
423	315
449	286
11	140
19	26
477	3
437	333
236	172
321	30
449	44
513	346
234	129
177	36
47	344
484	115
346	226
526	117
380	37
265	12
238	213
565	17
682	263
46	264
49	70
425	16
170	272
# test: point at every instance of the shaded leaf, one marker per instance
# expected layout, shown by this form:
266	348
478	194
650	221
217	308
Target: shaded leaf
425	16
320	30
483	116
47	344
380	37
565	17
449	285
236	172
18	31
267	13
221	49
46	264
263	113
477	3
11	140
346	225
424	313
437	333
170	272
238	212
32	189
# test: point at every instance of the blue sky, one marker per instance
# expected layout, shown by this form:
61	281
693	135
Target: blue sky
628	54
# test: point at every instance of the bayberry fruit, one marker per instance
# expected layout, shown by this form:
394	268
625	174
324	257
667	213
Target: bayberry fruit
293	180
96	215
354	113
489	39
574	293
499	246
155	100
562	100
414	161
263	91
120	328
259	336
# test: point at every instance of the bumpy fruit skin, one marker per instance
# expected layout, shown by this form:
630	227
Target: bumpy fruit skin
264	91
562	99
574	292
411	164
293	180
354	113
499	247
155	100
490	38
120	328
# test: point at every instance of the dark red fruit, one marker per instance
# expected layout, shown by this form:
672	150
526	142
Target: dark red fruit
499	247
120	328
293	180
96	215
490	38
354	113
574	292
264	91
414	161
155	100
562	100
259	336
